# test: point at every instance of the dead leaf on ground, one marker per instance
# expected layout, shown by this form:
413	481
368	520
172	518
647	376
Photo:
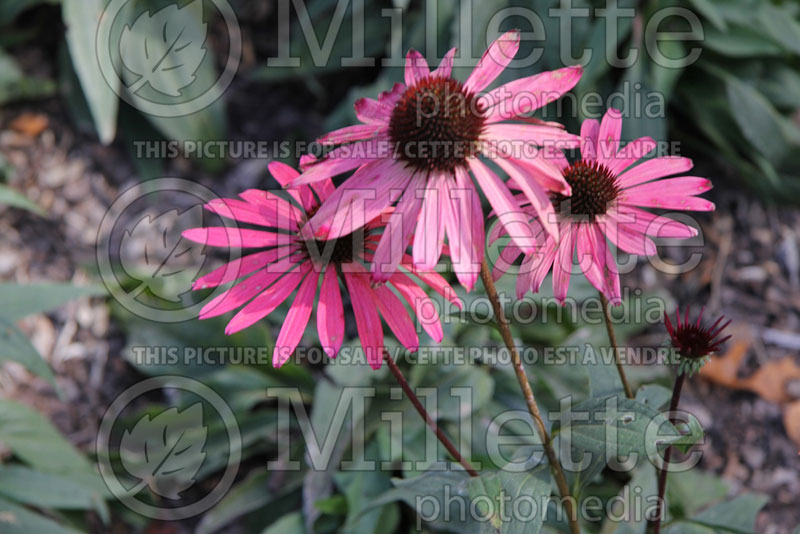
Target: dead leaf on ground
791	420
30	124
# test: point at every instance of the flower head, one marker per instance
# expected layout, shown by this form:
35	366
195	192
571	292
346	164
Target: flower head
420	145
608	190
694	342
295	259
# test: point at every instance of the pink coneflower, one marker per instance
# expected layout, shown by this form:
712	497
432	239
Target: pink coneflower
419	145
608	192
292	259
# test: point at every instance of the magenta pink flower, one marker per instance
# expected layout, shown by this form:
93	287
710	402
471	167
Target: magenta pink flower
608	192
292	259
419	144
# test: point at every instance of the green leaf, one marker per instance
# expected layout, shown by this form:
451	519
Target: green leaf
14	85
22	300
780	25
740	42
148	52
358	488
44	490
15	519
252	494
428	493
82	18
758	121
643	488
738	515
15	347
710	11
9	197
288	524
655	396
691	491
512	502
600	430
34	440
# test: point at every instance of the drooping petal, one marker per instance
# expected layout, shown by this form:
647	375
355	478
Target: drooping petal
371	111
284	175
504	205
630	154
368	322
221	236
544	258
349	134
684	185
434	280
588	255
416	68
396	317
361	198
562	265
529	94
398	231
641	221
429	236
421	303
247	289
624	235
330	313
505	260
342	159
268	202
609	136
457	212
474	213
503	133
266	302
296	320
241	267
534	193
493	62
653	169
608	267
247	212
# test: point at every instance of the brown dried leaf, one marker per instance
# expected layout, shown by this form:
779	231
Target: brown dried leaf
30	124
771	379
791	420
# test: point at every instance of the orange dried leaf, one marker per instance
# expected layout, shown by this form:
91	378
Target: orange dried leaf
791	420
30	124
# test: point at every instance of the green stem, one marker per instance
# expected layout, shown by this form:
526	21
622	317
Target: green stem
662	473
612	338
530	400
398	375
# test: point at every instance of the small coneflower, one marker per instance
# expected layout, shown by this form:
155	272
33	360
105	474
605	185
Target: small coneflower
294	259
694	342
608	192
424	142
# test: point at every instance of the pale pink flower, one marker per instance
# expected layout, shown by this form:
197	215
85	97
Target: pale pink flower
419	145
608	192
292	259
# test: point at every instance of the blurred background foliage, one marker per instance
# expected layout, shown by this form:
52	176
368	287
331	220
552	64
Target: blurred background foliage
735	107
